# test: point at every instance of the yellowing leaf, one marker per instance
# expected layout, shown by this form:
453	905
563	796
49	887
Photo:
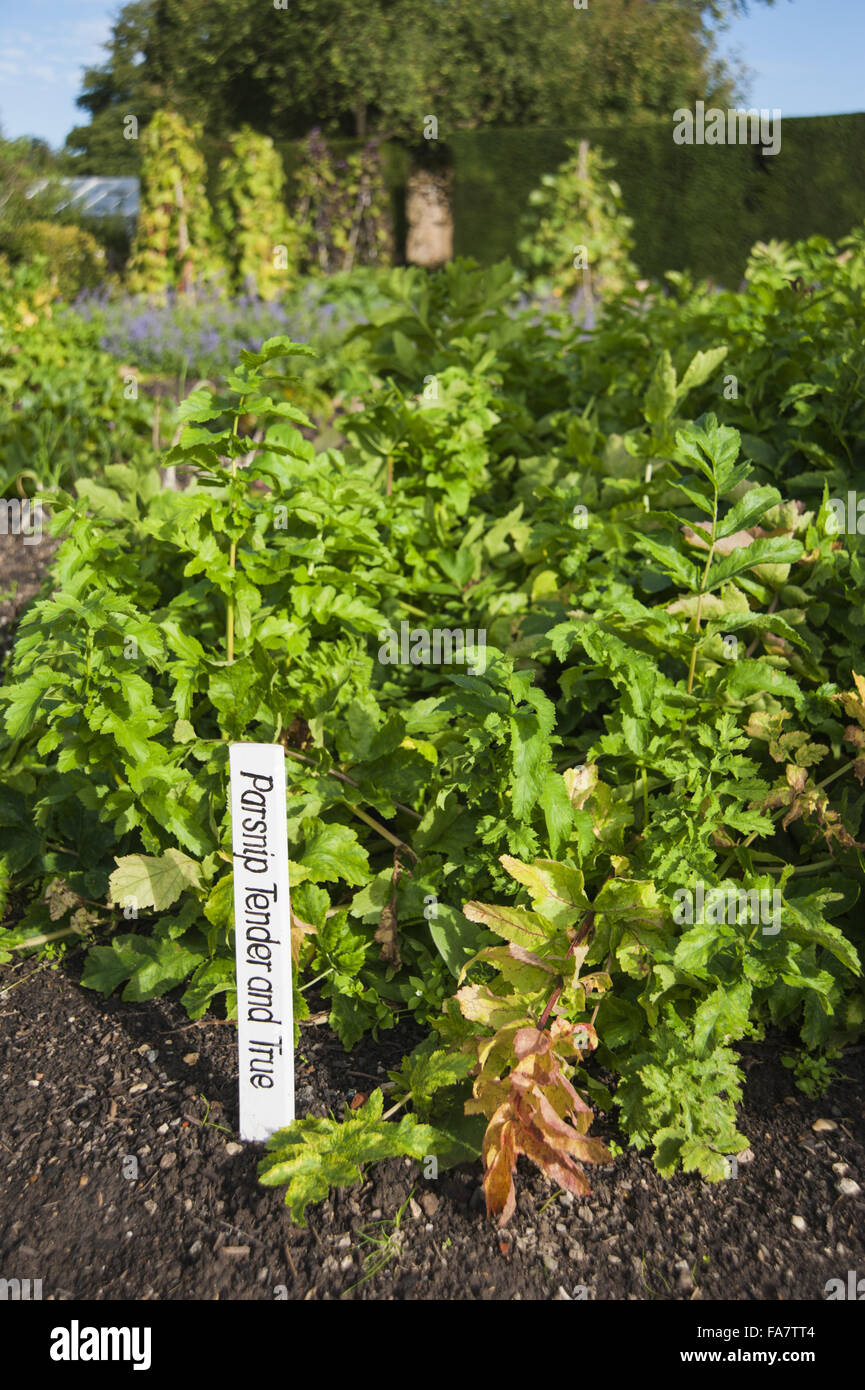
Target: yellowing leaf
580	782
557	890
157	881
513	923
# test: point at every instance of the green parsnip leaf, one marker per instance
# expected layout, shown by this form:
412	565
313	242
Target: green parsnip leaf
313	1155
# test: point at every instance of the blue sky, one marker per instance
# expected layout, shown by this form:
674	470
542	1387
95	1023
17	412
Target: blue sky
806	57
44	44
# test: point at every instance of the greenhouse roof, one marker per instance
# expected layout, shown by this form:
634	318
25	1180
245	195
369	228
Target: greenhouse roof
98	197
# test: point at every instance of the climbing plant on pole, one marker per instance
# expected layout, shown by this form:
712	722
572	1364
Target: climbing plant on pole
175	242
578	240
342	208
263	243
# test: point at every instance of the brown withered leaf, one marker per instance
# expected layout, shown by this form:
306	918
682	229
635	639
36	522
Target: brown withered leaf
580	782
83	918
386	933
854	704
387	930
538	1113
530	1042
299	930
500	1160
727	544
796	777
808	803
60	897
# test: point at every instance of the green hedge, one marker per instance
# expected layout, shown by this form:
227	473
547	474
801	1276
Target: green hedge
695	207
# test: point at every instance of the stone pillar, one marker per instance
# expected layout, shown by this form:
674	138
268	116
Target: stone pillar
429	217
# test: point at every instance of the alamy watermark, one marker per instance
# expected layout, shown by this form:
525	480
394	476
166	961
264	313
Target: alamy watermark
21	518
717	127
846	517
20	1290
760	906
853	1290
438	646
77	1343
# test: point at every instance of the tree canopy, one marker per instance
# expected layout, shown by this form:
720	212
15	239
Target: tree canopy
357	67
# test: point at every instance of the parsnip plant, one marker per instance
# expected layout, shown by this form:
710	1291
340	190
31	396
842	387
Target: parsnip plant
626	842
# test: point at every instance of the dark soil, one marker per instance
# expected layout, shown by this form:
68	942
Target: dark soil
21	568
121	1178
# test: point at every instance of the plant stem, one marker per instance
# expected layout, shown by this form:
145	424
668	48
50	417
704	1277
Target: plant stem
585	927
232	555
310	983
699	613
343	777
831	778
816	867
731	857
409	608
44	937
18	983
382	830
229	617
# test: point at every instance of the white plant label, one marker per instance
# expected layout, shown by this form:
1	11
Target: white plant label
262	929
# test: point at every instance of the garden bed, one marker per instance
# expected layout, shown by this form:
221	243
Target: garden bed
90	1083
596	774
21	569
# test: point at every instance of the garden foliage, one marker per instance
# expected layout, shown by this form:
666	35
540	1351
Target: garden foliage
577	235
342	207
68	409
176	243
671	695
262	242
